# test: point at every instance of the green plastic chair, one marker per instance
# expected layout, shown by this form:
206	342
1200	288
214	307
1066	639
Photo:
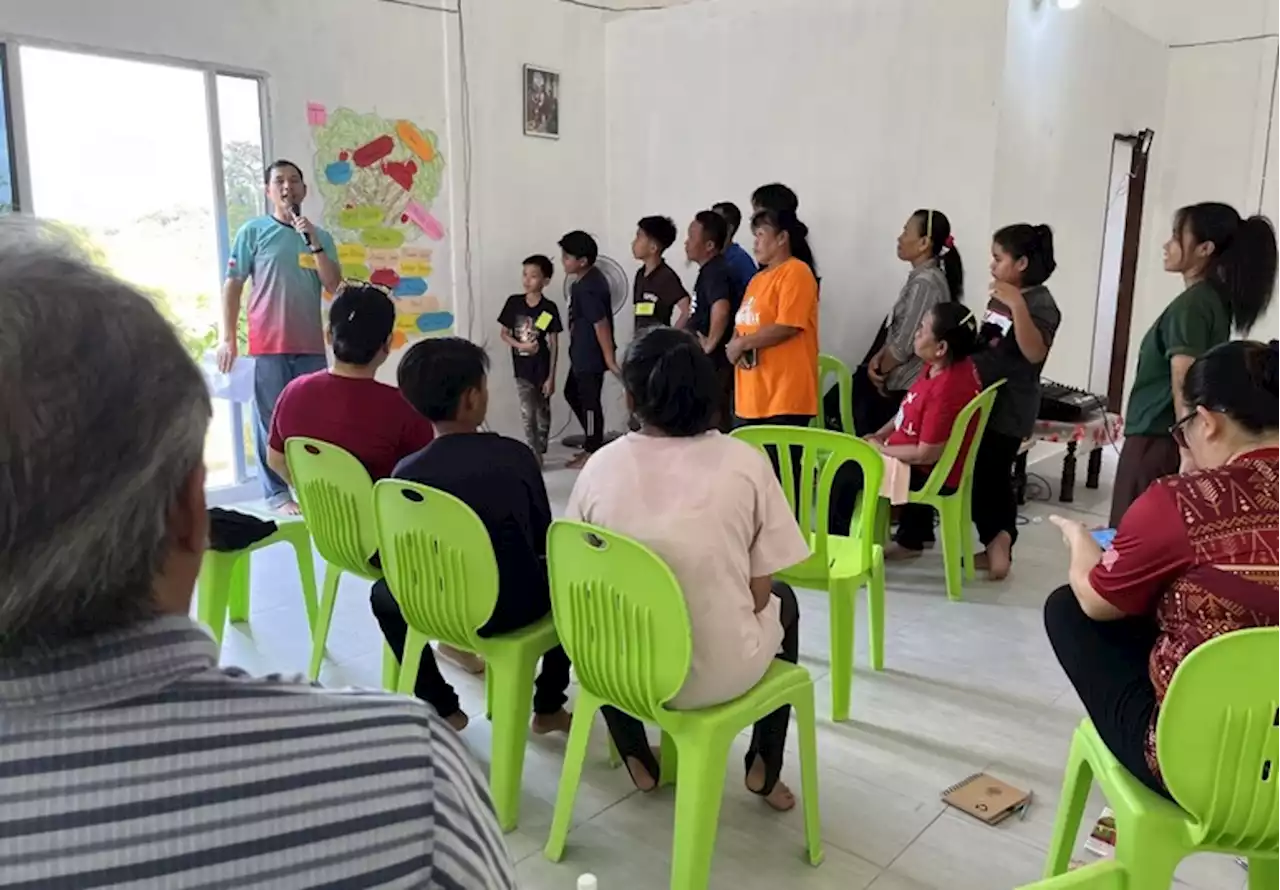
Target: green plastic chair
336	496
438	561
955	510
1108	875
1216	739
623	620
836	564
223	589
830	366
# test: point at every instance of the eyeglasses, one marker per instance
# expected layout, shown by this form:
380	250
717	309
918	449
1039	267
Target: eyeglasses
1179	431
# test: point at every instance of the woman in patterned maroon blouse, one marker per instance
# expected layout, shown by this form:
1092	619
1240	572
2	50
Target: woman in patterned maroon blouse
1195	557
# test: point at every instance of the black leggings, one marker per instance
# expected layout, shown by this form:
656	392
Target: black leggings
1108	664
768	738
872	409
995	505
797	453
431	686
915	521
582	392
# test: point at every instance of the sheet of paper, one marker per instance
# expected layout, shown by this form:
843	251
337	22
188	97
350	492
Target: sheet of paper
317	114
236	386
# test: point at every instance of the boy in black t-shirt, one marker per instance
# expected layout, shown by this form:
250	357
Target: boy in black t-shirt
531	327
592	347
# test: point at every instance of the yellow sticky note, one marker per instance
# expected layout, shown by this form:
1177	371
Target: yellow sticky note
412	267
645	308
543	321
307	260
352	253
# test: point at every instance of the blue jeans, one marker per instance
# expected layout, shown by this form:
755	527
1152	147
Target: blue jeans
271	374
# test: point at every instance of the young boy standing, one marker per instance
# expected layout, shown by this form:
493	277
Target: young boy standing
592	347
530	325
658	294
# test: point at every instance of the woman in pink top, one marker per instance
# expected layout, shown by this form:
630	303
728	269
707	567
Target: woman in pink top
712	508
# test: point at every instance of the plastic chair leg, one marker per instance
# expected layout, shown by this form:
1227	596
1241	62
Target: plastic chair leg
1264	874
841	596
699	788
512	697
668	760
875	609
214	586
951	549
306	574
966	534
238	599
1066	824
320	634
414	643
1147	853
575	755
390	669
806	723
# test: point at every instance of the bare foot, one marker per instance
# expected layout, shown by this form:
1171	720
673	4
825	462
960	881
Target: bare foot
895	552
640	775
999	557
289	508
560	721
780	798
981	561
458	720
469	662
578	461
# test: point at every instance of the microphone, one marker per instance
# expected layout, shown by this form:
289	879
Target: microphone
296	210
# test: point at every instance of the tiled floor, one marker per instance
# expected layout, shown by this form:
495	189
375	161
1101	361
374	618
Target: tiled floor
968	686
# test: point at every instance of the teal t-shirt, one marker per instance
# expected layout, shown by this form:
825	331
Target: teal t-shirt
1195	322
284	302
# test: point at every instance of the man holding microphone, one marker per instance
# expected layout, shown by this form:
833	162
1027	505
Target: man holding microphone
289	260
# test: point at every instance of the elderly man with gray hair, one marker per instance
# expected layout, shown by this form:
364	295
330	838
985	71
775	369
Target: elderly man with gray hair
127	756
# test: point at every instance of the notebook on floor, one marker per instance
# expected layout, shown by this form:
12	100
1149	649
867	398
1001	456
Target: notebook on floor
987	798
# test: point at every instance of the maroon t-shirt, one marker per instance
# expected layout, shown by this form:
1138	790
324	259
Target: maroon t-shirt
930	408
367	418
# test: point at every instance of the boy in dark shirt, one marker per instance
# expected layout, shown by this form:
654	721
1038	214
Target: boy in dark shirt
446	380
592	348
531	327
658	293
716	298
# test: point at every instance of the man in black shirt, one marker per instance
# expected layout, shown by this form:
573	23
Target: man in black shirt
530	325
657	294
446	380
592	348
716	298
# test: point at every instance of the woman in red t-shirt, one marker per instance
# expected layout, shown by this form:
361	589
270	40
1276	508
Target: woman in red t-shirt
1195	557
946	337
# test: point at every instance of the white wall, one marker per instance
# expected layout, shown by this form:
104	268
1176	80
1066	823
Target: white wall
399	61
1071	81
867	109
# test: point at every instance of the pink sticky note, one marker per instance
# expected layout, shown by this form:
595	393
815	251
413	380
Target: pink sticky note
422	218
317	115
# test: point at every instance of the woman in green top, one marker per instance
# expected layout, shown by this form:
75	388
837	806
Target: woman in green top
1229	267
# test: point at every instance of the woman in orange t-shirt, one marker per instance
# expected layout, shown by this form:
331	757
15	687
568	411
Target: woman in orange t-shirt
775	338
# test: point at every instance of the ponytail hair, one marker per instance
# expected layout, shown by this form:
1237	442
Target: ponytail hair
955	325
1032	243
797	233
1238	379
671	381
937	228
1242	267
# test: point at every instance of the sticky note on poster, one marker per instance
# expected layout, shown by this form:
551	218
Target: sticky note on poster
422	218
317	114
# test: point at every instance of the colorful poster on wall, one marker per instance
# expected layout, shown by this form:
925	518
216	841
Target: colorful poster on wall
380	178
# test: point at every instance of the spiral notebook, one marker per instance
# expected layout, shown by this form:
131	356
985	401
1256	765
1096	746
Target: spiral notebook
987	798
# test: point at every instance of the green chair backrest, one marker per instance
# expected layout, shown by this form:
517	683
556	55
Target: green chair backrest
620	615
336	497
979	405
830	366
438	560
1109	875
823	453
1216	738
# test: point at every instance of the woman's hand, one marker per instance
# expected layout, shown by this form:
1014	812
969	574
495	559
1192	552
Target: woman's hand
1006	293
734	350
876	378
1075	535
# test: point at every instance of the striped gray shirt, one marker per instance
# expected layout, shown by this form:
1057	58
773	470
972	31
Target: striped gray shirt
926	287
133	760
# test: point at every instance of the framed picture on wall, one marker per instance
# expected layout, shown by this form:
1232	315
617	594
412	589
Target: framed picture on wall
541	103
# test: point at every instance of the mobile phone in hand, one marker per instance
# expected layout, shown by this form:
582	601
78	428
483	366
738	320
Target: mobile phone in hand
749	359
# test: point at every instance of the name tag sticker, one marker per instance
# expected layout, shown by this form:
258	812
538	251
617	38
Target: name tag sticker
646	308
307	261
543	321
1000	320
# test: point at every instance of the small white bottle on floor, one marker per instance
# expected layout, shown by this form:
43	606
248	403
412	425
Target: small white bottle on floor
588	882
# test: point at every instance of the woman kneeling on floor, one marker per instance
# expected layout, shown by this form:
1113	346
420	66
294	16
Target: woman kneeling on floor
1194	558
946	337
712	509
